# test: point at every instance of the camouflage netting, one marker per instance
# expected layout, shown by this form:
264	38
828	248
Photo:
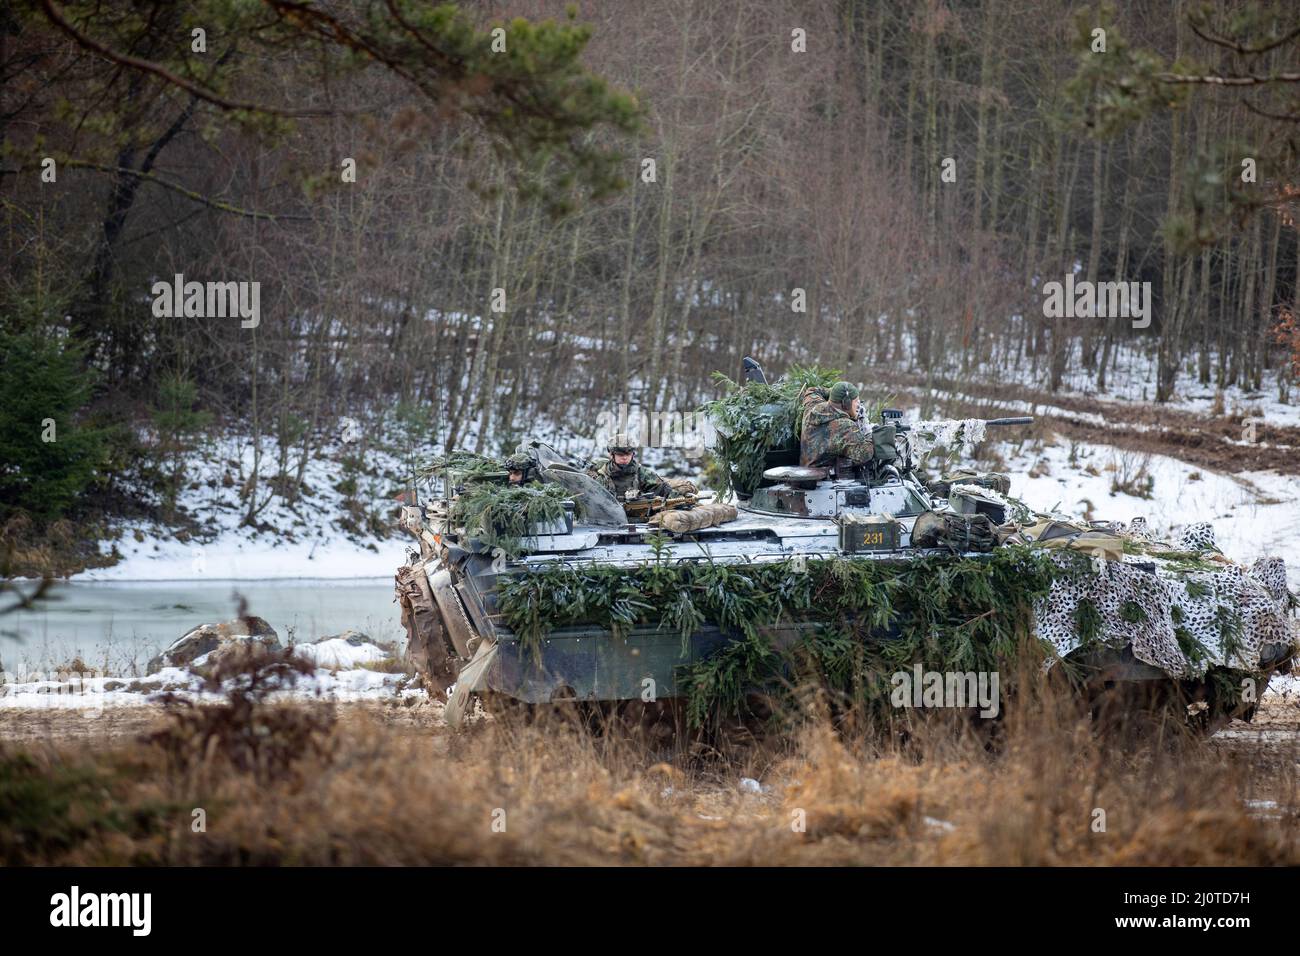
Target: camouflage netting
463	467
949	433
1182	610
1016	510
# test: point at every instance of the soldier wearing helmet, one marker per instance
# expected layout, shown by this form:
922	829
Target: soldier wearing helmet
621	473
523	469
830	428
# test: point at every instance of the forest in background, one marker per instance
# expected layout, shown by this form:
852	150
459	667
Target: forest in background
505	253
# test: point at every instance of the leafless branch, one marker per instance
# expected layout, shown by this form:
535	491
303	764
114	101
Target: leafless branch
1249	79
187	193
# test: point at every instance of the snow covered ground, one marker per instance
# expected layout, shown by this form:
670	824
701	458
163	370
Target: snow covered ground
58	691
237	556
340	652
326	534
1253	514
340	675
1134	380
308	539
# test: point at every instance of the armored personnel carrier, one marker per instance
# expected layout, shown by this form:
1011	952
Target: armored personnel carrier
553	592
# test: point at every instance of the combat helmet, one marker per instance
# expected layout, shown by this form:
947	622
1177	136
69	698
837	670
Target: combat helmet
524	465
621	441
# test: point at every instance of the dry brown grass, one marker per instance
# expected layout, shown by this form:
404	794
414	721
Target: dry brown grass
55	549
398	788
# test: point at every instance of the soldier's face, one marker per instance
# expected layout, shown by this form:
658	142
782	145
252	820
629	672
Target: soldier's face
516	477
855	406
622	458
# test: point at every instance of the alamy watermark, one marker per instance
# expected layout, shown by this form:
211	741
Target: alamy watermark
1083	299
691	431
208	300
133	911
919	688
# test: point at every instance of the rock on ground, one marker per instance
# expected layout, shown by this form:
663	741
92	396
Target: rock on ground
210	639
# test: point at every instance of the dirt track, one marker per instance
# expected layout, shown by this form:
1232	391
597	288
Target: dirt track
120	724
1209	441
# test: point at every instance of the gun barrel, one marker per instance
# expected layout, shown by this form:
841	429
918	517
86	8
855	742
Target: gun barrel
1026	420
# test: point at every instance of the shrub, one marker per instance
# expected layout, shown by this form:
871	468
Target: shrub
47	458
247	731
1131	475
50	810
177	422
753	419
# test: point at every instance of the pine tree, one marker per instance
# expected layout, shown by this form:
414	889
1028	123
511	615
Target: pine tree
47	456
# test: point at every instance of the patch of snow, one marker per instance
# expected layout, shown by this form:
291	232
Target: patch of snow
97	693
1254	514
1285	686
337	653
303	539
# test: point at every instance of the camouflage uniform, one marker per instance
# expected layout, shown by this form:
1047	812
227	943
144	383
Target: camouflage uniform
830	432
633	476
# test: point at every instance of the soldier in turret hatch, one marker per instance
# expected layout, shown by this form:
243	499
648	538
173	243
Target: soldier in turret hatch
621	472
830	427
523	469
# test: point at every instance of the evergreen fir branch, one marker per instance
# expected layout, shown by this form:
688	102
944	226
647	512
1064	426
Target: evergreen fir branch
501	516
875	617
753	418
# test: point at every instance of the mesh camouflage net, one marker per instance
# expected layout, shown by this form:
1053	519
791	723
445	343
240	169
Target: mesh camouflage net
1182	610
1016	510
946	433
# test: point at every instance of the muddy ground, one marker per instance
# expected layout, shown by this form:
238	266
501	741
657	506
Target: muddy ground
1210	441
117	726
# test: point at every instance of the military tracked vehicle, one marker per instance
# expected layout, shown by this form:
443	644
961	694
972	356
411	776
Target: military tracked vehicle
584	603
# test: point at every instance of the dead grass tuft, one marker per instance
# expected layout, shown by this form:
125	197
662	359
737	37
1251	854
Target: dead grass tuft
549	790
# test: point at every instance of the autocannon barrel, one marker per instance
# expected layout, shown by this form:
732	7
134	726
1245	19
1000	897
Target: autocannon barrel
1026	420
